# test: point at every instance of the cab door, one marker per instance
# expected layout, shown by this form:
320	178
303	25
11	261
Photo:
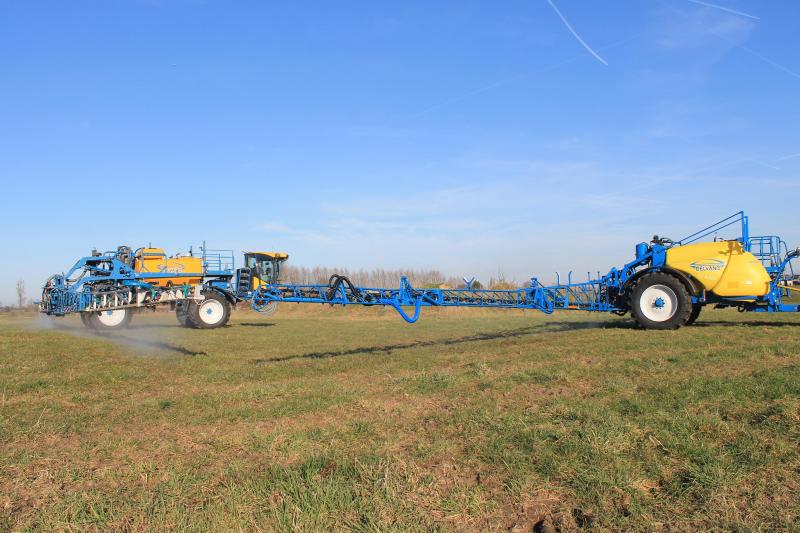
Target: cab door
261	269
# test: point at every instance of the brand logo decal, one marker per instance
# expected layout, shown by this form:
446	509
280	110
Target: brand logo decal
176	268
708	265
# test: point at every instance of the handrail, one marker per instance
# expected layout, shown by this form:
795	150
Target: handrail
713	228
218	259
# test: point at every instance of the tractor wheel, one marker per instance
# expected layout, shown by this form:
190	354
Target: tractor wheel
86	319
660	301
696	308
182	313
110	320
212	312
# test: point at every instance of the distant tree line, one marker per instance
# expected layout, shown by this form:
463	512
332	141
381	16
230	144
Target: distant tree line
380	277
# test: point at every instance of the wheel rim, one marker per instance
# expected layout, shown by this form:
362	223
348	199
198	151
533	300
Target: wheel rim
111	318
211	311
658	303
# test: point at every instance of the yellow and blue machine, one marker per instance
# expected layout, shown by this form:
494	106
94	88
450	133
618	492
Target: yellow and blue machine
105	288
665	286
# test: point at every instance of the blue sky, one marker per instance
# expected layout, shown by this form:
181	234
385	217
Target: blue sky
472	137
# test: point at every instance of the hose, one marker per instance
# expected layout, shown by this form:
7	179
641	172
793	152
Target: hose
337	280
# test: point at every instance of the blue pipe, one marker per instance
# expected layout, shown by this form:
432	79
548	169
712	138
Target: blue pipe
409	319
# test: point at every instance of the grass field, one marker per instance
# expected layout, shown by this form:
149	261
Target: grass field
334	420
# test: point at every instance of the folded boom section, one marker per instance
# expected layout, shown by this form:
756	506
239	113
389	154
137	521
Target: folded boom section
587	296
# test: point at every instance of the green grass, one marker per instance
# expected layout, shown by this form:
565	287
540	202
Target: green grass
337	420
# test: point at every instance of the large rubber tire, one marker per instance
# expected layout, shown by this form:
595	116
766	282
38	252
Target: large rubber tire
182	314
660	301
696	308
212	312
86	320
110	320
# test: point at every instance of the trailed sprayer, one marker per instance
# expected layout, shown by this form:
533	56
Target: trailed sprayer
665	286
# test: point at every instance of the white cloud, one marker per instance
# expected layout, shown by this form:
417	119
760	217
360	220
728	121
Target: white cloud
276	227
702	27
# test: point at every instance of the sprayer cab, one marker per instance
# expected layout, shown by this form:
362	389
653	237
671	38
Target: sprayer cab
260	268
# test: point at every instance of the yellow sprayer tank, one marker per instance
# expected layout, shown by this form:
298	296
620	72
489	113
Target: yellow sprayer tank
187	270
723	268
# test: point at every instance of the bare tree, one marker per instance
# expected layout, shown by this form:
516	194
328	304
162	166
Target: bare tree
20	293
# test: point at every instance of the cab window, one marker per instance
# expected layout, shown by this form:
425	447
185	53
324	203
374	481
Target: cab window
263	268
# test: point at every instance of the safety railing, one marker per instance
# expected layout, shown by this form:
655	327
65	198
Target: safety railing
215	261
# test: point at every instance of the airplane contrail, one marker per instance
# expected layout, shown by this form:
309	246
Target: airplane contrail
575	34
505	81
721	8
749	50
